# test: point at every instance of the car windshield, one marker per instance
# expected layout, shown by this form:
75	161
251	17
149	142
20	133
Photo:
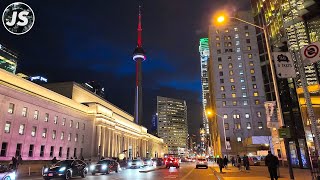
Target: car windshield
4	168
135	160
64	163
103	161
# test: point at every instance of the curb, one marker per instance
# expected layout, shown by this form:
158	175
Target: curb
218	176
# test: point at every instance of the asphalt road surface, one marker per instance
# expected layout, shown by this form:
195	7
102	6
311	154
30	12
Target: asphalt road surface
187	171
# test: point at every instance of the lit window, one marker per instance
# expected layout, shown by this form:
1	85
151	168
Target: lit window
11	108
250	56
46	117
239	58
244	94
236	35
239	139
247	115
260	125
230	65
233	95
217	31
252	71
218	44
231	72
36	115
54	134
237	43
220	66
62	135
247	33
255	94
248	125
76	138
251	63
217	38
55	120
245	103
234	103
231	80
229	44
258	114
248	48
237	126
226	30
21	129
34	131
242	80
257	102
233	87
240	65
224	103
63	121
69	137
71	123
77	125
229	37
24	111
238	49
225	116
226	126
7	127
44	132
222	88
235	29
254	86
223	96
241	72
236	116
243	87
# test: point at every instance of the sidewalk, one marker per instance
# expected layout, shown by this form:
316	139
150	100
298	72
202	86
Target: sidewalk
260	173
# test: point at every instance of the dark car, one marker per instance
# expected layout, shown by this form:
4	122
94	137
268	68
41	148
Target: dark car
172	162
105	166
66	169
160	161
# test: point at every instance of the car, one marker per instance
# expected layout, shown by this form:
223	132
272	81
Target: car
160	162
136	163
6	173
105	166
65	169
202	162
147	162
172	162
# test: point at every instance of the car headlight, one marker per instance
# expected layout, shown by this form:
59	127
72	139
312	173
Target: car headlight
92	167
130	163
139	163
45	170
104	167
62	169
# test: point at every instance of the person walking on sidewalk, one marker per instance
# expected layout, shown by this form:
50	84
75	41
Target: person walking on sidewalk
220	163
233	162
225	162
272	162
238	162
246	162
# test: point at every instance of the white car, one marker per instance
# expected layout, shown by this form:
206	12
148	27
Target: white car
6	173
202	163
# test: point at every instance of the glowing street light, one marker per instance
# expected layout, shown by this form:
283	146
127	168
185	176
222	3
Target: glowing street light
221	19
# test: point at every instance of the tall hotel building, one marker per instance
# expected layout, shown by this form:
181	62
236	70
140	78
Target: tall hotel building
8	59
172	123
291	25
236	87
204	57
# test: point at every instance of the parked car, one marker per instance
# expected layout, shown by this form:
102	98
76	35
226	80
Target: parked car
136	163
147	162
202	163
6	173
160	162
172	162
66	169
105	166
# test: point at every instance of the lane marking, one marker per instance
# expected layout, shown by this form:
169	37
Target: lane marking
184	177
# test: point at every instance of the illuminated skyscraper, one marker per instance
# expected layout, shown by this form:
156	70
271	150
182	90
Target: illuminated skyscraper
8	60
204	57
139	57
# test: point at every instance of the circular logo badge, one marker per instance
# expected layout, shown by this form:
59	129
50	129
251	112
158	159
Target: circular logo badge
311	51
18	18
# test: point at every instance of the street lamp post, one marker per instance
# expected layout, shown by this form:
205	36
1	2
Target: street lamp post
221	19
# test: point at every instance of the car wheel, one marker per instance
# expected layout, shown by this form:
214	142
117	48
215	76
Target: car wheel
178	167
84	174
117	170
7	178
68	175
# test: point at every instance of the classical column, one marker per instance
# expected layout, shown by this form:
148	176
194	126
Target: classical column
99	140
103	143
112	143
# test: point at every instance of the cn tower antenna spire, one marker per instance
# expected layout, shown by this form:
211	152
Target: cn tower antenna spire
139	43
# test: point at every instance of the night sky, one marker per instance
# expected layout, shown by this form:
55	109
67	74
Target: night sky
81	40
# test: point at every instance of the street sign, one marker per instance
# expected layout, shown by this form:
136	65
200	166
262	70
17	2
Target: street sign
284	133
284	65
310	53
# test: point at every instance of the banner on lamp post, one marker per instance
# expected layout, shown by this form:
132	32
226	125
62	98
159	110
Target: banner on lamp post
270	115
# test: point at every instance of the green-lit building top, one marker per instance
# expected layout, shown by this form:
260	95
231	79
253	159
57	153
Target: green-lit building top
8	60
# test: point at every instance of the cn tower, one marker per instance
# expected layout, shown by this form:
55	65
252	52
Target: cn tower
138	57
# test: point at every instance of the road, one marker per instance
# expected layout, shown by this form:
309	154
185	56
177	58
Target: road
187	171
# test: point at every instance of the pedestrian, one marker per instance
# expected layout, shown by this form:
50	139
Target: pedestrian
246	162
54	160
225	162
233	162
82	158
238	162
272	162
221	164
14	163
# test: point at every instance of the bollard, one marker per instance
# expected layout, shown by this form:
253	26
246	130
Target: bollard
29	171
